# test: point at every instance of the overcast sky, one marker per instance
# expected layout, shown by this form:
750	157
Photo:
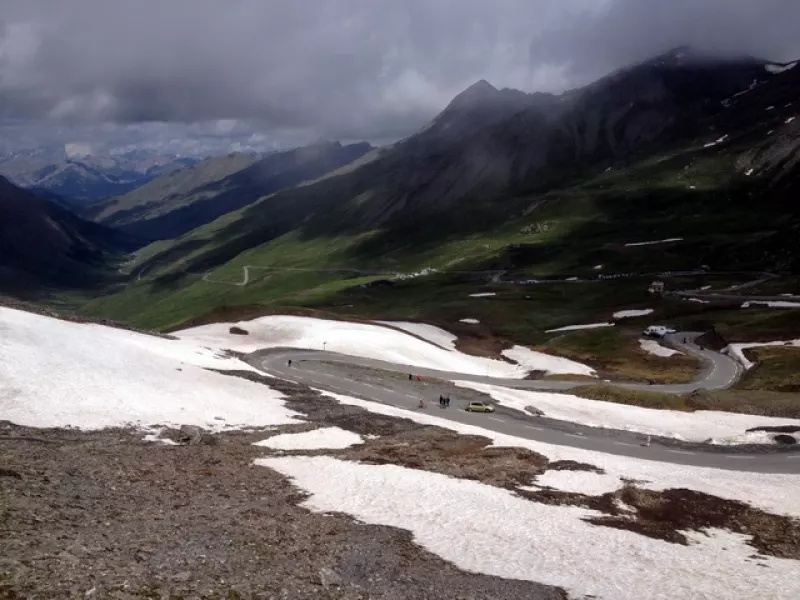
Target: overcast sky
222	74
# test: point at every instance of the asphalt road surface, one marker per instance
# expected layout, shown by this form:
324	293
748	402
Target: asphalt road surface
721	371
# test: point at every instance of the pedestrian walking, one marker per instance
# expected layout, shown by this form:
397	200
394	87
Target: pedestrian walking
410	377
290	362
447	400
441	400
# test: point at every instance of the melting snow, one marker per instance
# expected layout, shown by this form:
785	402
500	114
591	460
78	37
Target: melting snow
552	365
483	295
486	529
577	327
789	120
697	426
771	492
776	69
653	347
470	321
627	314
437	336
752	437
332	438
58	373
771	304
578	482
357	339
698	300
749	172
737	350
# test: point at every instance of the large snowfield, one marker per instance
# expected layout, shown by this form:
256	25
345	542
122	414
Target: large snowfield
57	373
490	530
427	346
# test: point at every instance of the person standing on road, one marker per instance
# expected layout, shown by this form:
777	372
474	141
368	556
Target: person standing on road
290	362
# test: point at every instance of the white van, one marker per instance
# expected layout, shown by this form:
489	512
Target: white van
658	331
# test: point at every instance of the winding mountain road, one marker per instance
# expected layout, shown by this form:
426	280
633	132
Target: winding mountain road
721	371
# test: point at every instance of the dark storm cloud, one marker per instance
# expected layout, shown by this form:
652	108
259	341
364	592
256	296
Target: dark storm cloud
633	30
376	69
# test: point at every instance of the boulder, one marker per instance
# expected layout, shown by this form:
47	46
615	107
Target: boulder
191	435
536	412
238	331
785	439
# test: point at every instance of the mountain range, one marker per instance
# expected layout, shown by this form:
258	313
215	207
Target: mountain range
75	179
679	145
174	204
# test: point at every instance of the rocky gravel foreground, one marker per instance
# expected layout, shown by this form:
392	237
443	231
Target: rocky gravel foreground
108	515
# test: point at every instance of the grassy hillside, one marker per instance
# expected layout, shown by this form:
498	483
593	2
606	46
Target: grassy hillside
535	194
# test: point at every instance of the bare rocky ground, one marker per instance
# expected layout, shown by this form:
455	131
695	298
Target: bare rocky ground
108	515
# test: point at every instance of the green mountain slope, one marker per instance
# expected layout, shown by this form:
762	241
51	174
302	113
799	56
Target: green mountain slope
534	185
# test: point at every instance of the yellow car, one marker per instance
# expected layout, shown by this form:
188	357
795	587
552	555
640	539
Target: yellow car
479	407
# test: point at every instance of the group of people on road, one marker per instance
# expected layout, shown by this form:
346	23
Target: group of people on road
444	401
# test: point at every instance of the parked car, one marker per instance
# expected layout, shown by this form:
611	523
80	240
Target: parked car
479	407
658	331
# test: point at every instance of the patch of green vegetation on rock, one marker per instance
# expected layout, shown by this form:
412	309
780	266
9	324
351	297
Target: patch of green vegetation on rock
777	369
750	402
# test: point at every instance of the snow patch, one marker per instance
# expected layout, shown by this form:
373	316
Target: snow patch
749	172
775	69
653	242
469	321
433	334
485	529
353	339
628	314
767	491
578	327
789	120
656	349
736	351
552	365
698	300
59	373
423	273
483	295
771	304
597	267
333	438
751	437
698	426
156	438
577	482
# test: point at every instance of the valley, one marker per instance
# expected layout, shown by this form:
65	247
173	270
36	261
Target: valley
220	374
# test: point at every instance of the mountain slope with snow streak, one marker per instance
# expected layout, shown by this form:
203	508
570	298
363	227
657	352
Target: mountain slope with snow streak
57	373
373	341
